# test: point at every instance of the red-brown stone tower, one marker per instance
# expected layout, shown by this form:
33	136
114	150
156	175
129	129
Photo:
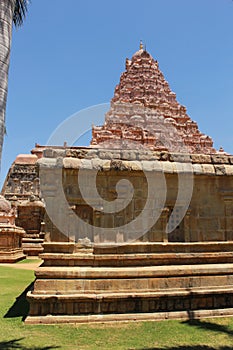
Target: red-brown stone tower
144	113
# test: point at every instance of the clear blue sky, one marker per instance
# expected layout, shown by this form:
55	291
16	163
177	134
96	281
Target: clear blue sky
69	55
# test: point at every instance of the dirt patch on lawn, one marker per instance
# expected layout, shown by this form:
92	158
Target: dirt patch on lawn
24	266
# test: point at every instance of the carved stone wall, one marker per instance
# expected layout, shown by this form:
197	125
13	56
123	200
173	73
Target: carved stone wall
21	182
208	215
163	274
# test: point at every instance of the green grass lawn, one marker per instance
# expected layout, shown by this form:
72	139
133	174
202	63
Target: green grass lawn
208	334
28	261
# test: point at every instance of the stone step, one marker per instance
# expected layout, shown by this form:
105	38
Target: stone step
160	247
133	272
70	286
31	251
32	235
176	292
67	280
32	240
131	302
141	247
137	259
106	318
11	255
32	246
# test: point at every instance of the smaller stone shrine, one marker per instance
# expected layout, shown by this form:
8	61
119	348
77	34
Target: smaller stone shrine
30	217
10	234
21	188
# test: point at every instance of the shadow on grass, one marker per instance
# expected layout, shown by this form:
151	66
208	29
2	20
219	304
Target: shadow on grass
20	308
209	326
15	344
201	325
194	347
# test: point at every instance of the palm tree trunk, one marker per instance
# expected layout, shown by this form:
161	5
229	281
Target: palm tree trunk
6	19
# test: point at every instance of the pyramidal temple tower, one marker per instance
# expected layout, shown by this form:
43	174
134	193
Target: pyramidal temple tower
145	113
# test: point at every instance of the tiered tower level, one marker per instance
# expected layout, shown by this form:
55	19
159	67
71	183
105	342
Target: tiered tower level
144	113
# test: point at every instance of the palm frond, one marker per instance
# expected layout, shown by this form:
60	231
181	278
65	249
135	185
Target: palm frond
20	11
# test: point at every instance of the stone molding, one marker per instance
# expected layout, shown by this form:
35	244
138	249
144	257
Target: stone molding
134	160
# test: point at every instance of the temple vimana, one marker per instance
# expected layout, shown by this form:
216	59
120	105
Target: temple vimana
137	226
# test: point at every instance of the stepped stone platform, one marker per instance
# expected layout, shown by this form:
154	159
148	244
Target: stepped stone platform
136	281
151	279
32	246
11	255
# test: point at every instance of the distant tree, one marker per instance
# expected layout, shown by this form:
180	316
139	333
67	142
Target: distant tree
12	12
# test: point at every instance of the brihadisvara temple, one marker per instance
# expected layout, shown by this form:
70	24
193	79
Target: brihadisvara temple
136	226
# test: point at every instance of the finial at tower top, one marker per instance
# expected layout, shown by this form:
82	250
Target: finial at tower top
141	45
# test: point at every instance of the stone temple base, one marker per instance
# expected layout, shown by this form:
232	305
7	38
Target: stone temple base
10	244
138	281
11	256
32	244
